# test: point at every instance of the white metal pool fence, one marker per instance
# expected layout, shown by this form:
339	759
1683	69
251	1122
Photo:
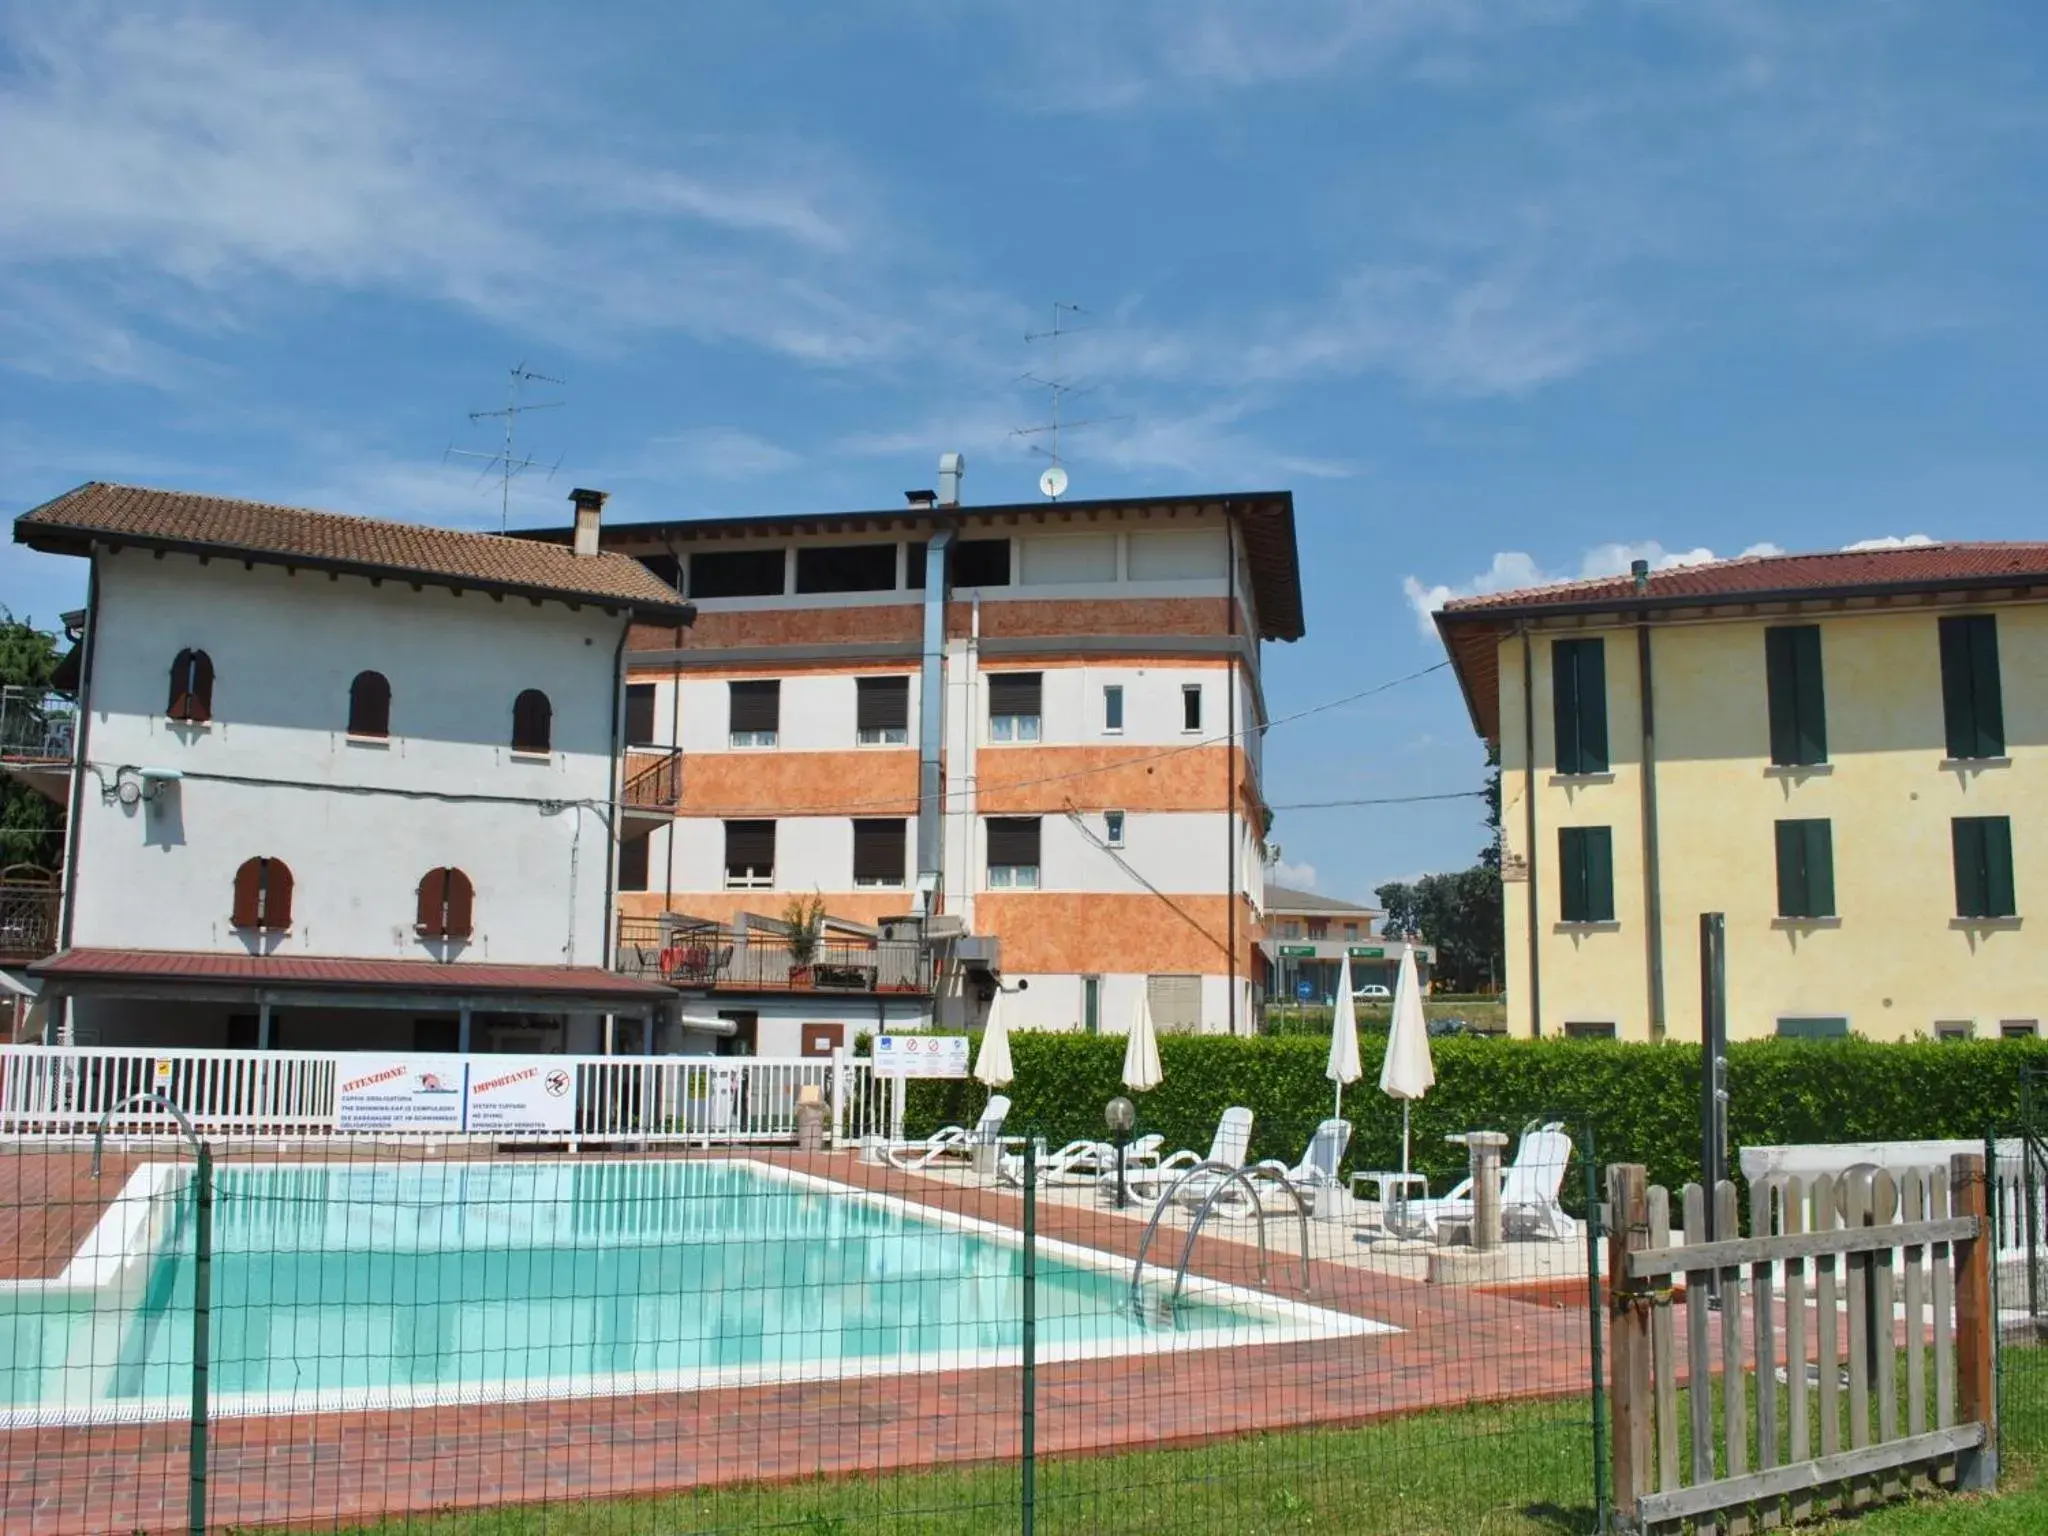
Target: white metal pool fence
57	1091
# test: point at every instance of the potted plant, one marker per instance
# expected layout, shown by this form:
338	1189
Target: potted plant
804	917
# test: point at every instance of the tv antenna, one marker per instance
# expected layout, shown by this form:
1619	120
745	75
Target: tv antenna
507	464
1053	483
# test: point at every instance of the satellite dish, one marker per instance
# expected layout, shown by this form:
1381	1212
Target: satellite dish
1053	482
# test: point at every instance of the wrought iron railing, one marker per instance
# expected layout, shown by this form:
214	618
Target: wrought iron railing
28	921
37	725
715	959
654	780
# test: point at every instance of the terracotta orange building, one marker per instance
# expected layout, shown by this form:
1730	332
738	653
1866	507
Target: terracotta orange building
1009	747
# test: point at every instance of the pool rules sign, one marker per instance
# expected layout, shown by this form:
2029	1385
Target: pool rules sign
489	1095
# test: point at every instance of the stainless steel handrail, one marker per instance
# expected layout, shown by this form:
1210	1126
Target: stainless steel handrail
1227	1175
99	1134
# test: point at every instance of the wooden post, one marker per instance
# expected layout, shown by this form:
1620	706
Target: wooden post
1976	1379
1628	1231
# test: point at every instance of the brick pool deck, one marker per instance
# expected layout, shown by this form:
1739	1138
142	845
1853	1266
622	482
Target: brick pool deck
1455	1346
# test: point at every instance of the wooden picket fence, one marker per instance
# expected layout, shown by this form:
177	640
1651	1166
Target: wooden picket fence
1766	1319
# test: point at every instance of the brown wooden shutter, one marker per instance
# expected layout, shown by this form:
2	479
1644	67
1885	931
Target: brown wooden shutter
749	845
277	894
878	851
249	894
461	904
882	704
181	686
532	722
756	706
1015	693
1012	841
369	705
199	703
433	903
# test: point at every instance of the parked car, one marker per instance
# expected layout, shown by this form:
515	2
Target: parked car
1451	1025
1372	992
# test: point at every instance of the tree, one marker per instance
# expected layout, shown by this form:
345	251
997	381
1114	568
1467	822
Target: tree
31	828
1458	914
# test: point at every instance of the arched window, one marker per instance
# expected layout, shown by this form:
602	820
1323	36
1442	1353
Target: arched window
369	705
533	722
263	895
447	902
191	687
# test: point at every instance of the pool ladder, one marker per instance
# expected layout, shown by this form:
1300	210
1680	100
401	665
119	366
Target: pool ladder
1227	1177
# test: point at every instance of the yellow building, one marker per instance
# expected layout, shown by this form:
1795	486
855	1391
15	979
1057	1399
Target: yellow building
1845	754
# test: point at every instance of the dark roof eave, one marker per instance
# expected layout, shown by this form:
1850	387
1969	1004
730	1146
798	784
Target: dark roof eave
65	539
1629	607
1472	710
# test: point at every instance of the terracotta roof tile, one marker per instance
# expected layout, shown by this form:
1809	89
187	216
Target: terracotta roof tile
313	970
1908	566
332	540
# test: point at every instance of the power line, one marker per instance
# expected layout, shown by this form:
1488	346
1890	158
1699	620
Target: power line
1328	805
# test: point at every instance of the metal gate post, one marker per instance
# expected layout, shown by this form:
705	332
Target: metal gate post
1596	1315
1030	1336
202	1318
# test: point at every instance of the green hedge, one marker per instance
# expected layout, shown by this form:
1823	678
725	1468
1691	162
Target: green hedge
1642	1101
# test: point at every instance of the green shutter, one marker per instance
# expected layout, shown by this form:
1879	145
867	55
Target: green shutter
1791	870
1967	835
1564	703
1592	706
1820	867
1958	718
1986	698
1571	875
1812	695
1781	682
1599	875
1998	888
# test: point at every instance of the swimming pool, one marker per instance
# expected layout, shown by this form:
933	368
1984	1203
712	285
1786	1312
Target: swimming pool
342	1287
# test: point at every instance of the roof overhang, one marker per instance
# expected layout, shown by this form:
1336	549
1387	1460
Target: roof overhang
309	981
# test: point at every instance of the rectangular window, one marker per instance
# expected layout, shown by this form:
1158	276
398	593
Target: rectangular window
749	854
1015	703
1113	828
737	573
664	568
1806	869
846	568
1351	930
980	563
1972	705
1113	708
1191	706
878	852
2018	1029
1585	868
756	713
1589	1029
1290	928
882	711
1954	1029
1812	1029
1176	1003
1091	1005
640	715
1983	855
1013	843
914	558
1798	703
1319	927
633	864
1578	684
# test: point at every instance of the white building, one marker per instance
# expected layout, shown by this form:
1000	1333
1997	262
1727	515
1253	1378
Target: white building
340	782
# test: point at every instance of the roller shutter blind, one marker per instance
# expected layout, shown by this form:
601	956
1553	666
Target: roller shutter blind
1012	841
1015	693
882	704
756	706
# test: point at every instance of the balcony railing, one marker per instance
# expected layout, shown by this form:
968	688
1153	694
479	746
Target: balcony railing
654	781
28	921
728	960
36	725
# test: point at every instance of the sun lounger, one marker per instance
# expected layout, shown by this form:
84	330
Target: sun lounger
953	1140
1530	1186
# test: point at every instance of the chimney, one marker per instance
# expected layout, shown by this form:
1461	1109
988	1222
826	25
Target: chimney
589	511
922	500
951	467
1640	569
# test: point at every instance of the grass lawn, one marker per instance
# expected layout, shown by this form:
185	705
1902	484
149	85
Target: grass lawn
1513	1471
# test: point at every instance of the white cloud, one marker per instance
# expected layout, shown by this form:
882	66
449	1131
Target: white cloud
1299	877
1891	541
1511	570
718	453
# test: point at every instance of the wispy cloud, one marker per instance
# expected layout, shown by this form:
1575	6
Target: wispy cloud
718	453
1891	541
1511	570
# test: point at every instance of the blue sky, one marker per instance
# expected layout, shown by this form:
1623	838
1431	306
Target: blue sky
1499	288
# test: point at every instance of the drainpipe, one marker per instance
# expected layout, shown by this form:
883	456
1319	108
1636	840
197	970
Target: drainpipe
1529	821
1653	880
1230	781
931	727
74	825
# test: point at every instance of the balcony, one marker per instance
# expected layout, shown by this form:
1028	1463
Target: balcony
28	920
36	725
703	958
653	785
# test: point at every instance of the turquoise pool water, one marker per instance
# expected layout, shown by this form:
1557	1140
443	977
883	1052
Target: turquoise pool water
340	1286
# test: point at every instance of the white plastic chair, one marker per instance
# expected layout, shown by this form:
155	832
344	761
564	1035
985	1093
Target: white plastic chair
1230	1145
1318	1167
1081	1162
953	1140
1529	1191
